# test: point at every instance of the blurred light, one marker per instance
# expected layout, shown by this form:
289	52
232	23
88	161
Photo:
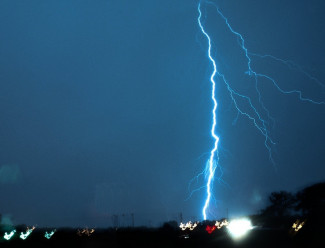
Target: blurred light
49	235
185	236
182	226
297	225
221	224
193	226
210	229
10	235
238	228
85	231
188	225
28	232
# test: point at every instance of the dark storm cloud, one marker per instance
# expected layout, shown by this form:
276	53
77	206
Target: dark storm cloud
105	107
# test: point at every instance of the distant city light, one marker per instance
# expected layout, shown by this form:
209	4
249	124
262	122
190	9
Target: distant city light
239	228
210	229
28	232
297	225
85	231
193	226
189	225
221	224
49	235
10	235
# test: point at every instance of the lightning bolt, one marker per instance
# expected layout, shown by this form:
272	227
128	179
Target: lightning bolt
258	121
256	75
292	65
253	114
212	164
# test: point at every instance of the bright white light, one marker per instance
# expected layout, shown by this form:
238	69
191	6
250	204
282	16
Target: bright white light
238	228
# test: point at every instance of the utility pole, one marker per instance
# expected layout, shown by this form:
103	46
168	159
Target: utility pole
115	220
132	216
180	217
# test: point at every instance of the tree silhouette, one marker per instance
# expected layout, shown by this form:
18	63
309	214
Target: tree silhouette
281	204
311	203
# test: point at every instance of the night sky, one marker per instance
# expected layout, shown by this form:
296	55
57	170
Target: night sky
105	108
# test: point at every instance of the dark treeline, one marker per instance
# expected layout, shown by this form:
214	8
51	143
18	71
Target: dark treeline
273	227
307	205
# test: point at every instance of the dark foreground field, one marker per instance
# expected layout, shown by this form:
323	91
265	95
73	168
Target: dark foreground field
170	237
